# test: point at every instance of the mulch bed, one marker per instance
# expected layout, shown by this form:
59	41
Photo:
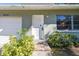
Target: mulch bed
67	51
75	50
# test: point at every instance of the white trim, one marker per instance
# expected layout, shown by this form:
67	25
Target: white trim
38	6
72	22
67	30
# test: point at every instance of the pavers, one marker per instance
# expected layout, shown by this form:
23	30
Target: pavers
42	49
41	53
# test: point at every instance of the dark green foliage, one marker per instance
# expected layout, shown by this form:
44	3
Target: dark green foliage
55	39
58	39
68	39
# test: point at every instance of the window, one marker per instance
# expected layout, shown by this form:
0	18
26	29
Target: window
76	22
67	22
63	22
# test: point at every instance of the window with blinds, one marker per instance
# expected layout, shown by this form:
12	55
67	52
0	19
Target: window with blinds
67	22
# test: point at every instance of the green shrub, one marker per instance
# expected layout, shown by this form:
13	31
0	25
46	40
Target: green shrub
19	47
55	39
58	39
68	39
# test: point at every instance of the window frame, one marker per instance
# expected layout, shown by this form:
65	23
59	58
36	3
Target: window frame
57	20
75	23
72	25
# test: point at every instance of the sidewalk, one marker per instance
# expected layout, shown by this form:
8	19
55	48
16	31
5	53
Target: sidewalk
42	49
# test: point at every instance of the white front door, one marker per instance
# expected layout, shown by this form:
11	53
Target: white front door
37	26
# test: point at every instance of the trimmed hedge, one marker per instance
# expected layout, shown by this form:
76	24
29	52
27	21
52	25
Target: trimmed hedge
58	39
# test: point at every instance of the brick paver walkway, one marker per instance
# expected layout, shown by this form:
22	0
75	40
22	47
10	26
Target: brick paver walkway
42	49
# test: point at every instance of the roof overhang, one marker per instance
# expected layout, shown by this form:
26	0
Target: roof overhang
37	6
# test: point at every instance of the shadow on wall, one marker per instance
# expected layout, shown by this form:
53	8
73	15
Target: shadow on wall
49	24
46	35
27	23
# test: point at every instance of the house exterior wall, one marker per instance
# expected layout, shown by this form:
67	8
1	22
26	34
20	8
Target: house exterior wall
27	23
50	23
49	18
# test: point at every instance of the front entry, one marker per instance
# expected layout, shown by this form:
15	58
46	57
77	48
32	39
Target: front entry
37	26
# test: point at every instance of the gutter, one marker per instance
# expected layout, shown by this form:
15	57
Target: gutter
36	6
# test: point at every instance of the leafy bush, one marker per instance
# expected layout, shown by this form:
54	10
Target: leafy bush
58	39
55	39
19	47
69	39
76	43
